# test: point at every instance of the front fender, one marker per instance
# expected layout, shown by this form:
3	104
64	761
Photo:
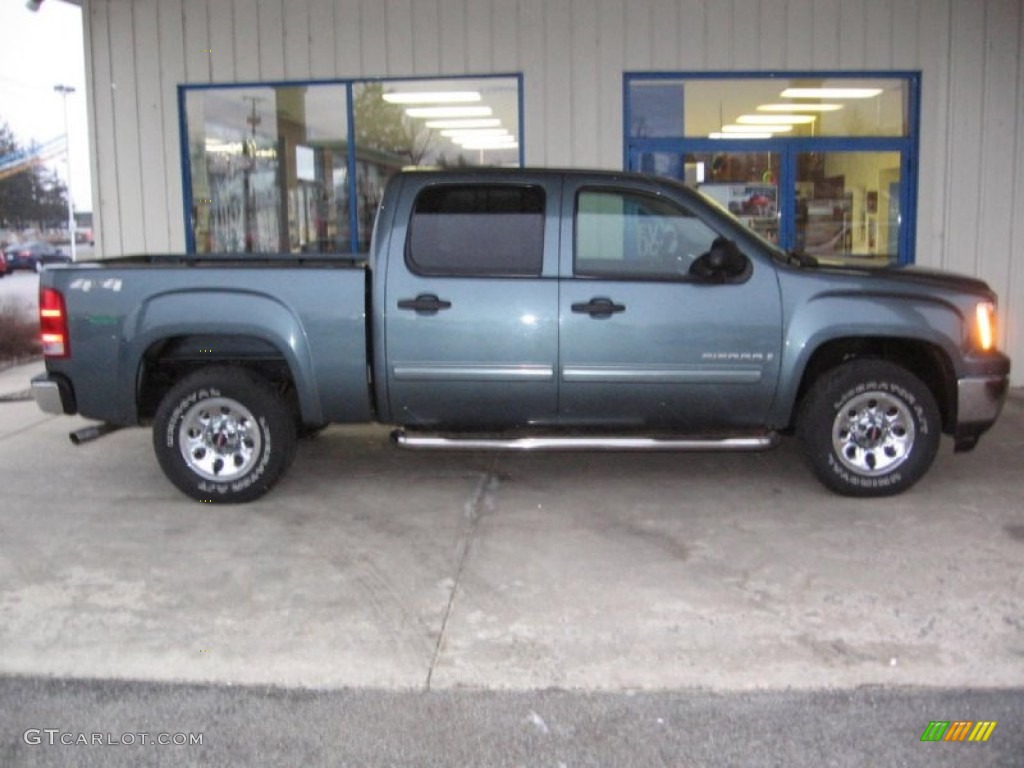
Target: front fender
833	317
225	312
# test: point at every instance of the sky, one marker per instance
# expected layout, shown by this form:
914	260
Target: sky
38	51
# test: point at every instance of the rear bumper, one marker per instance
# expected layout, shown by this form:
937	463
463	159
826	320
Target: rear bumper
53	393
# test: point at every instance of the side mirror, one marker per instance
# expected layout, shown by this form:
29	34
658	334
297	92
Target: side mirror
725	259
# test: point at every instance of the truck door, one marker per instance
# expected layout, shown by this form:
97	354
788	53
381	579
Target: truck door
472	303
648	339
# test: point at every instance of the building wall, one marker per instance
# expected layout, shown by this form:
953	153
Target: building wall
572	54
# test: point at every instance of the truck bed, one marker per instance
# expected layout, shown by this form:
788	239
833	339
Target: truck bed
130	316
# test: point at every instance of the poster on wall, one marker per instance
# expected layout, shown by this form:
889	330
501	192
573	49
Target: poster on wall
756	205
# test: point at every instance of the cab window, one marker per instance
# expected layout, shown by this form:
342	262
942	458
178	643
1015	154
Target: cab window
477	230
624	234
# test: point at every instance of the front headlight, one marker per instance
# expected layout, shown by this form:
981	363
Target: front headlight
985	325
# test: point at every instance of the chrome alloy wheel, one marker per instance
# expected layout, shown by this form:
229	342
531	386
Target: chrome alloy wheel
219	439
873	433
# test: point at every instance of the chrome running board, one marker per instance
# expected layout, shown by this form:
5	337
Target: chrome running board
583	443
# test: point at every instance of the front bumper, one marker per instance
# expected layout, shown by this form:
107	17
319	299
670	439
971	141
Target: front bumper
980	400
53	393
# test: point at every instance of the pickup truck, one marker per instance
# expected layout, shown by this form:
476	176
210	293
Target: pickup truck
527	310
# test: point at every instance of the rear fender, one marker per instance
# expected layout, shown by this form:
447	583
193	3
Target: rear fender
222	313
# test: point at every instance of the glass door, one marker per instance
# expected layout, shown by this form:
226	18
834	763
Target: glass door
820	162
841	206
847	206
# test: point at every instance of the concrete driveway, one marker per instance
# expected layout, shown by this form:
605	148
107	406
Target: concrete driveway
373	567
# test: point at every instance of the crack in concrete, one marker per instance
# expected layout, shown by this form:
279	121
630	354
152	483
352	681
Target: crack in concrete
481	500
16	397
31	426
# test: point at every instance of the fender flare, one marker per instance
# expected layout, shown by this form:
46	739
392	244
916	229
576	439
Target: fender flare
220	312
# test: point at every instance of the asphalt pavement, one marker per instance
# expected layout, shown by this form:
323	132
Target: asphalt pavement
44	722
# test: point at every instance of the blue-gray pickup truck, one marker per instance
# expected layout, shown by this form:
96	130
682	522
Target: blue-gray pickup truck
530	310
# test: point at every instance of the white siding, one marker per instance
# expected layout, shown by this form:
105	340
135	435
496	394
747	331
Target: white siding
572	54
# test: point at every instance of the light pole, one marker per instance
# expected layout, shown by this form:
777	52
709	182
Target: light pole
65	91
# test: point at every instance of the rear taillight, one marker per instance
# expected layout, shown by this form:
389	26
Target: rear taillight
53	322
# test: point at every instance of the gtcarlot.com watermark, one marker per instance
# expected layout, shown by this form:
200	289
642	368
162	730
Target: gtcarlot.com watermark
56	737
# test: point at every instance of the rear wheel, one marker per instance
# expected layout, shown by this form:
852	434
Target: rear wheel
869	428
222	435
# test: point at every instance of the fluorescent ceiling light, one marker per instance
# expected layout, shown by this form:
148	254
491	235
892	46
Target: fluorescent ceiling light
465	142
799	107
480	122
490	140
474	132
485	146
830	93
718	135
775	119
756	128
431	112
431	97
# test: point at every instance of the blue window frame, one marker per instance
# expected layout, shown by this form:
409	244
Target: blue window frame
300	166
840	181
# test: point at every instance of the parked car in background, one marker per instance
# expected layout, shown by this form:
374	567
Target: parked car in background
3	265
34	256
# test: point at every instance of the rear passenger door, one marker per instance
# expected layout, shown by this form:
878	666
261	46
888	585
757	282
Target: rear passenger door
472	303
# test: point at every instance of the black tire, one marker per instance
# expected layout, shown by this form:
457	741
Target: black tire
223	436
869	428
308	431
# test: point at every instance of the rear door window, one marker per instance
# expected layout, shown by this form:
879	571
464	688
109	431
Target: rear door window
494	230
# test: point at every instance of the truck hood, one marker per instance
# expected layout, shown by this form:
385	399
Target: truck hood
923	276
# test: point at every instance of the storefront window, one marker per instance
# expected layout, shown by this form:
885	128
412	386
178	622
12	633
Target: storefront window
815	163
848	205
753	107
429	124
268	170
656	108
272	169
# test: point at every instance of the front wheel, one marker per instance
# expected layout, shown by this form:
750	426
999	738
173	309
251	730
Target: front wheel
869	428
222	436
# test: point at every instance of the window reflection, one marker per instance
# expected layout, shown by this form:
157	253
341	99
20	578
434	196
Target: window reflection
430	124
268	170
269	167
